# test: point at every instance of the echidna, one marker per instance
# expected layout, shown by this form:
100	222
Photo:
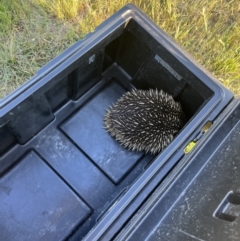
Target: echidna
144	120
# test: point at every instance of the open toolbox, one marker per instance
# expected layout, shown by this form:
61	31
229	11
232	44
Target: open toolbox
62	177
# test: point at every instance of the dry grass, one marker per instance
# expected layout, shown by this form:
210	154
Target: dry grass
28	44
41	29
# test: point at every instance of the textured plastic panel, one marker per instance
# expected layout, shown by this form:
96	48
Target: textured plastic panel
30	210
201	201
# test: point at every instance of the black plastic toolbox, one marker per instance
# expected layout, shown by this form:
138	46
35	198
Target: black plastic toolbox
63	177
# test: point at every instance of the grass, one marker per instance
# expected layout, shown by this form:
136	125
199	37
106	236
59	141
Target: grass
28	42
35	31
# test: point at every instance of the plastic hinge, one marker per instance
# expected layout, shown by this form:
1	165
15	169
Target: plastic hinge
192	143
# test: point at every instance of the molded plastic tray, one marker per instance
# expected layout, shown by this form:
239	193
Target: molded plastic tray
57	163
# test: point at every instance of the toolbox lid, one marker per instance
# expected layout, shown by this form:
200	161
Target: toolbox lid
201	198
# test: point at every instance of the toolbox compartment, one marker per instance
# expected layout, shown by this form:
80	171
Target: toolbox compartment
64	177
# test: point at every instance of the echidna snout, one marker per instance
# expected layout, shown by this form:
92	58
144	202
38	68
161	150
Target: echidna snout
144	120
